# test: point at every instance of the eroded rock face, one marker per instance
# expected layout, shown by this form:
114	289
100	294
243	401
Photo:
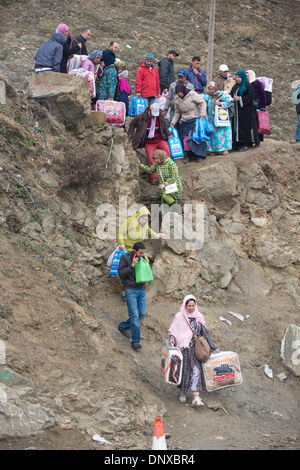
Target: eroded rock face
215	184
22	410
67	97
249	238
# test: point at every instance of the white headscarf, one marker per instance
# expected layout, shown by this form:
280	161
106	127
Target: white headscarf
251	75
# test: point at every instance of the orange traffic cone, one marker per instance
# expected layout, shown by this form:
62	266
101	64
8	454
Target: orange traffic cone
159	440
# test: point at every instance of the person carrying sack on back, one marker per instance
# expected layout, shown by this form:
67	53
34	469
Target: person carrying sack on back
134	293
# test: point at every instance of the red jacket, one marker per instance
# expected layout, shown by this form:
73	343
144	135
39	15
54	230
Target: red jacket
147	81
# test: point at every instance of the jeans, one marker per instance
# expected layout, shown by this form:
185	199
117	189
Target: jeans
150	100
172	112
298	130
136	303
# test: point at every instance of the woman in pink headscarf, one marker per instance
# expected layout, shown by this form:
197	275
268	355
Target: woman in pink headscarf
187	322
69	48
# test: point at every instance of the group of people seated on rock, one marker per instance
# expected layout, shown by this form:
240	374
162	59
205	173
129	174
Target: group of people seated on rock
236	96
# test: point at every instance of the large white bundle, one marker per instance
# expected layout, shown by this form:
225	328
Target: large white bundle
171	365
222	370
268	82
75	62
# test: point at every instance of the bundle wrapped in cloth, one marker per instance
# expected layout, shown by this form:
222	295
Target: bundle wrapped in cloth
222	370
88	76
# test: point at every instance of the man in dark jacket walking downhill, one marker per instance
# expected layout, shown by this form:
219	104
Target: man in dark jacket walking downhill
49	55
166	71
134	294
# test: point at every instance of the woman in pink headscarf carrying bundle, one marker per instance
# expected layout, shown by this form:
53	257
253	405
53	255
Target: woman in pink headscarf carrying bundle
187	323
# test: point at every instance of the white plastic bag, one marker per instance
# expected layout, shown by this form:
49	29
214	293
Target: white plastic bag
221	117
111	257
171	188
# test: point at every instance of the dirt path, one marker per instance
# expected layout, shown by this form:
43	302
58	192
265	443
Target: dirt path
262	413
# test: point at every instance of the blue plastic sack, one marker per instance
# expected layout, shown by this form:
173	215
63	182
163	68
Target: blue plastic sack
174	132
175	144
115	262
209	128
200	132
137	106
175	148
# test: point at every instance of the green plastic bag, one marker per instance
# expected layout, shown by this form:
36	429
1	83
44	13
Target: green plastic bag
143	272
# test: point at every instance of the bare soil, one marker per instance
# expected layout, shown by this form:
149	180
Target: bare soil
262	413
44	333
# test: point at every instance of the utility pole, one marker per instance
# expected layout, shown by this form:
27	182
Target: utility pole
211	34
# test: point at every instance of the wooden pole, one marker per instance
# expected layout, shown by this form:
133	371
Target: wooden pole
211	34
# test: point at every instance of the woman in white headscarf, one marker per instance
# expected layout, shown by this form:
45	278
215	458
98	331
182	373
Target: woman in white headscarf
186	323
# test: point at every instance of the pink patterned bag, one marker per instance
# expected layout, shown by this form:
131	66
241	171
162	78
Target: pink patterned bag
263	123
186	146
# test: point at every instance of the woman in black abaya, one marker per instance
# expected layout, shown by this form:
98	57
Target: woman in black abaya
244	126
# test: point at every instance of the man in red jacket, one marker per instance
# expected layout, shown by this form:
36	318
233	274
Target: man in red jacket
147	80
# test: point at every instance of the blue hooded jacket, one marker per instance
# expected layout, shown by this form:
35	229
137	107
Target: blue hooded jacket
199	81
51	52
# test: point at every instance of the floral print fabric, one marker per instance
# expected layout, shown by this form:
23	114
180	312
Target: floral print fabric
221	140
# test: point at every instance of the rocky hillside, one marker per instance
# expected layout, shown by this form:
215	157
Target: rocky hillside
66	374
260	35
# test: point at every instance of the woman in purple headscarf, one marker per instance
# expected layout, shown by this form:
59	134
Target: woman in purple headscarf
187	322
68	48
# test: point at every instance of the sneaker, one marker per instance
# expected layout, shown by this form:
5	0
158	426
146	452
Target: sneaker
182	398
197	402
199	159
154	183
124	332
136	346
